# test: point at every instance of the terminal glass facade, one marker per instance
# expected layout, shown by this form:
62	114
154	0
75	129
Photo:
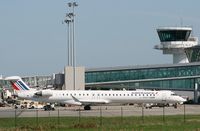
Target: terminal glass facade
193	54
36	81
4	84
178	77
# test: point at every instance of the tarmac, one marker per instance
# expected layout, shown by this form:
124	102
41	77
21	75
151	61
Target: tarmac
100	111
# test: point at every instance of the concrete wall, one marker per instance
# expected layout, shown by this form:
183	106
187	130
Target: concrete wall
79	78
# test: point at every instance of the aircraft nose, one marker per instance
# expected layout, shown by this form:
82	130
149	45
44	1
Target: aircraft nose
182	99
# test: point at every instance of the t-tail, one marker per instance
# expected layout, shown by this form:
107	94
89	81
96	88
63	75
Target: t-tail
17	83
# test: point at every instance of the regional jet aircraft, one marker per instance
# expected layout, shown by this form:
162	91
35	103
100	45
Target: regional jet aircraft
88	98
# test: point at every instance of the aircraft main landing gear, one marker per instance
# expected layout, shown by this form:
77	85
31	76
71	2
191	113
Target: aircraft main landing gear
175	105
87	107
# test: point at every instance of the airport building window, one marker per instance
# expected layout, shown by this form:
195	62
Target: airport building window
142	74
150	73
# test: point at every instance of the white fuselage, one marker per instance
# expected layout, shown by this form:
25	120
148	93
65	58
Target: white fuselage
90	97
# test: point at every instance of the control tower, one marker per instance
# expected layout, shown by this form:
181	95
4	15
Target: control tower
174	40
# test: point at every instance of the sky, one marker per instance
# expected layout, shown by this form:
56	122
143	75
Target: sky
33	39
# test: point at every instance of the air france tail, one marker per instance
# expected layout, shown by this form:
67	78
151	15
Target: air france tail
17	83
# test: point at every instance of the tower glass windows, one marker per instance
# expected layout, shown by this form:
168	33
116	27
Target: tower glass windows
173	35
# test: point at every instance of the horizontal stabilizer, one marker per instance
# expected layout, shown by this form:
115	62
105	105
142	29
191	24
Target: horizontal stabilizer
13	78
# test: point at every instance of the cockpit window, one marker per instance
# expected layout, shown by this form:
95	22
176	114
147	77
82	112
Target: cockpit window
174	94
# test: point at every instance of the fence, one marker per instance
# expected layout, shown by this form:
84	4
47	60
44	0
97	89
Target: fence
96	117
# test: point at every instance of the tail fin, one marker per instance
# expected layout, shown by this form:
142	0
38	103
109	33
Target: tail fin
17	83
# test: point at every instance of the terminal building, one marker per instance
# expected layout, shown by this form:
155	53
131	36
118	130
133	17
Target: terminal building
182	75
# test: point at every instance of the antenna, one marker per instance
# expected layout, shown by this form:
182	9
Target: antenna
192	33
181	20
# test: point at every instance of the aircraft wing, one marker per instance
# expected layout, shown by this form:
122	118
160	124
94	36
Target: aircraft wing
90	102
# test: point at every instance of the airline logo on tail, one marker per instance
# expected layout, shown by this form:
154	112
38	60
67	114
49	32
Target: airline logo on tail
17	83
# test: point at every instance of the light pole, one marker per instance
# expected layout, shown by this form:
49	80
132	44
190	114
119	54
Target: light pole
73	4
70	20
